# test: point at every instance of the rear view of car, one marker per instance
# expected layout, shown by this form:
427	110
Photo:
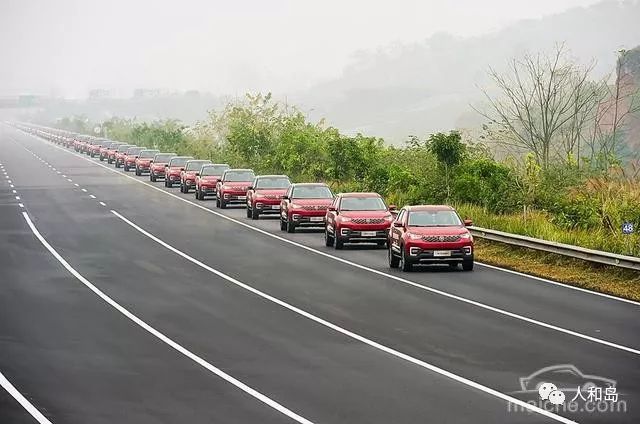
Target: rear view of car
157	165
305	205
173	169
188	175
207	179
265	194
143	161
233	186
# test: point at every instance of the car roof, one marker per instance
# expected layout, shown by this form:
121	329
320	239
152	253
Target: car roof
271	176
415	208
239	169
215	164
198	160
359	194
175	155
309	184
182	157
150	150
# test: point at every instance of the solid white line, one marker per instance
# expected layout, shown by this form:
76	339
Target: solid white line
92	196
84	190
103	204
17	197
28	406
344	331
76	184
11	185
14	192
195	358
21	205
374	271
64	176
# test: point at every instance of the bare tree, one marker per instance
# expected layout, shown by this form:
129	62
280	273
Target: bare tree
543	105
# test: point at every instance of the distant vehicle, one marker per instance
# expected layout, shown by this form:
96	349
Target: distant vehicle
95	146
188	175
157	166
265	194
207	179
143	160
104	149
357	218
121	153
566	377
430	234
112	153
304	205
232	187
173	169
130	157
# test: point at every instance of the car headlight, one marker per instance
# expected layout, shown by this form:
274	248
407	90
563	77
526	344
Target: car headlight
466	236
294	205
388	218
414	236
345	219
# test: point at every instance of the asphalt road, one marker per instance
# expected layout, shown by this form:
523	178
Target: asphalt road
189	316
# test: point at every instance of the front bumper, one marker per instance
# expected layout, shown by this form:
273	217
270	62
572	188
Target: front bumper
208	190
308	218
430	255
234	197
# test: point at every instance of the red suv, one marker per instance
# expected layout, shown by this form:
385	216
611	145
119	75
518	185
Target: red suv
104	149
304	205
156	167
188	174
430	235
130	157
121	153
143	160
95	146
207	179
265	194
233	186
173	169
357	218
113	152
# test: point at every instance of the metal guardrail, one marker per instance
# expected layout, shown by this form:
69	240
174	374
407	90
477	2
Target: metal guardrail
613	259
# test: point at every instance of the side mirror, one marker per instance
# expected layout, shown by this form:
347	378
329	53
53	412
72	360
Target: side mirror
285	197
197	174
398	224
182	169
468	222
332	209
250	188
136	157
166	165
151	161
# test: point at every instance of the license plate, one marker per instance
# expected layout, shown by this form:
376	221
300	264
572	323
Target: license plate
242	197
316	219
368	233
442	253
275	206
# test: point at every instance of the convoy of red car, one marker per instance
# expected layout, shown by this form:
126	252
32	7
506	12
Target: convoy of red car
413	235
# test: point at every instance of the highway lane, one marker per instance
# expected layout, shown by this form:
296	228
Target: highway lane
349	290
330	378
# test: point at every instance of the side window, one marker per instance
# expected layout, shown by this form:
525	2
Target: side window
336	203
289	192
401	215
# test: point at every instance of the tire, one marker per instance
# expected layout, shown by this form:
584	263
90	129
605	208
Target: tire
467	265
328	239
197	196
283	224
394	261
117	164
453	265
404	264
152	178
201	195
222	204
169	183
138	173
181	187
186	189
291	226
101	158
126	168
338	243
109	161
255	214
248	210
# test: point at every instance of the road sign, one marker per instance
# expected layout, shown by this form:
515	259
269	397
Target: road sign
627	228
97	129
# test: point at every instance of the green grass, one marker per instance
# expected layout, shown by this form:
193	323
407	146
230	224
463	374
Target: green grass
539	225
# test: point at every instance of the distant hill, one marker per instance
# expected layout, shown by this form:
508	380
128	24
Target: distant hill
424	87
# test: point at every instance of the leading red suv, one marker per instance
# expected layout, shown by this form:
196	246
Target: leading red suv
304	205
188	174
157	166
430	235
233	186
357	218
143	160
173	169
265	194
207	179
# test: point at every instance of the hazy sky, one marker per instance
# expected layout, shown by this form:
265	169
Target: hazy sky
67	47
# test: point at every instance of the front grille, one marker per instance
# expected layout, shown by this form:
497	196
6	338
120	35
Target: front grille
237	188
271	196
367	220
436	239
313	207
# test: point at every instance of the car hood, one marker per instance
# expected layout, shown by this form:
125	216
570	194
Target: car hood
271	192
312	202
453	230
143	160
365	214
237	183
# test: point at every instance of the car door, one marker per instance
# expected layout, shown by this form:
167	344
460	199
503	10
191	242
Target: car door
395	233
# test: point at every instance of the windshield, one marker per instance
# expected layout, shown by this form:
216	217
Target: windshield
178	161
362	204
163	157
433	219
214	170
312	192
195	165
148	154
123	147
239	176
274	183
134	150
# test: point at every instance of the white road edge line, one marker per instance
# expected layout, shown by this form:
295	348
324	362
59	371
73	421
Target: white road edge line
344	331
363	267
28	406
195	358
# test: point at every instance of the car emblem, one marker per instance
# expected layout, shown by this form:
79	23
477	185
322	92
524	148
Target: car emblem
441	238
369	220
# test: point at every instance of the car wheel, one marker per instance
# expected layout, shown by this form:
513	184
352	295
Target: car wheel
126	168
101	159
223	204
152	178
283	224
338	243
328	239
467	265
169	183
255	214
405	265
201	195
382	244
248	210
117	164
186	188
291	226
394	261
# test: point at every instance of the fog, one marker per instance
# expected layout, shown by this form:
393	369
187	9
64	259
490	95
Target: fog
385	68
